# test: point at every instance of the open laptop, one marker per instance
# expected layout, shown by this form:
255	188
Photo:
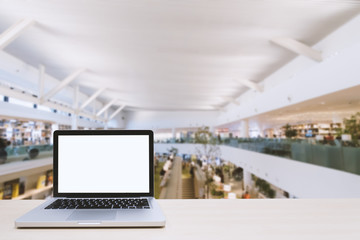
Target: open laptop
102	178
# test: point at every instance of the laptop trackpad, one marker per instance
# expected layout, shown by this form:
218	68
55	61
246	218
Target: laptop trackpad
92	215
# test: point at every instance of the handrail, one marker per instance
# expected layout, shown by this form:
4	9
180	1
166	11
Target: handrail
25	152
337	156
166	177
199	182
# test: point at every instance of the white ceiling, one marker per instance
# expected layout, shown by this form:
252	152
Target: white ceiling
167	55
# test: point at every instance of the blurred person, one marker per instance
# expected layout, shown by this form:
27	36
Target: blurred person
167	164
3	153
246	195
192	170
328	138
156	160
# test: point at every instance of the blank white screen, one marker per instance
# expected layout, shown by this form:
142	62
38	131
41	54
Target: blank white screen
103	164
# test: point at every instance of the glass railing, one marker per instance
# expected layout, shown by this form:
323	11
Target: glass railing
336	154
23	153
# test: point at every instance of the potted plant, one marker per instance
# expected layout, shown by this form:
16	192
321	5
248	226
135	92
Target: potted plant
290	132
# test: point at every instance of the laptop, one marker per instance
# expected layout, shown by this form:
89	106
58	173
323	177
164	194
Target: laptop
102	178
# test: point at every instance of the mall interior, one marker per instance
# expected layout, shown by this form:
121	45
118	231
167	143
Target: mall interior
246	99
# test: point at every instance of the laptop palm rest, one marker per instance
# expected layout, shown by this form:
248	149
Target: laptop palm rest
89	215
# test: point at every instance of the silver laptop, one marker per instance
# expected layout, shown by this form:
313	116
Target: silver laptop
102	178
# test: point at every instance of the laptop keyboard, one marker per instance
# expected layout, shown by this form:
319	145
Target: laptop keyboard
100	203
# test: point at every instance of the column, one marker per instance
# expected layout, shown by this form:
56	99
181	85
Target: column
211	129
244	130
74	116
173	135
247	180
106	121
74	122
261	130
54	127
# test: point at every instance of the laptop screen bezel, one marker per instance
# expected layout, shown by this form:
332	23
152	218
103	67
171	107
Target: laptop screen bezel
58	133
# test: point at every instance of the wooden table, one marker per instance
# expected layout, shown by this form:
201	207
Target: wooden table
213	219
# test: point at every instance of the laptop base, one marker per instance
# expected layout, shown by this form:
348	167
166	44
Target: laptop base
53	218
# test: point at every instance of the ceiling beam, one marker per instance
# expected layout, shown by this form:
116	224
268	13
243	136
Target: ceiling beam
251	85
19	94
298	47
76	97
221	109
106	107
91	98
149	108
14	31
116	112
16	93
232	100
62	85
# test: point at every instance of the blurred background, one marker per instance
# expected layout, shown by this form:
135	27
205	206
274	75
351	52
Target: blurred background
247	99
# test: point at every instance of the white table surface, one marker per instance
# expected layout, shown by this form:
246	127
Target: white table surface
213	219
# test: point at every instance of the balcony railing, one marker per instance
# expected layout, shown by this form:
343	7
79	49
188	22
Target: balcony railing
336	154
24	153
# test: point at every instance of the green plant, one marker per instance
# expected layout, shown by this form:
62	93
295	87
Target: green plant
157	179
289	131
271	193
203	135
218	171
215	192
339	132
352	126
265	188
238	174
226	168
208	147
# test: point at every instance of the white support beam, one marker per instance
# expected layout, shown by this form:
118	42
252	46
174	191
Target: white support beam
61	85
298	47
106	126
69	110
94	108
14	31
90	99
76	97
59	107
116	112
90	116
218	108
106	107
231	99
41	80
15	93
235	102
30	98
251	85
74	122
106	114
